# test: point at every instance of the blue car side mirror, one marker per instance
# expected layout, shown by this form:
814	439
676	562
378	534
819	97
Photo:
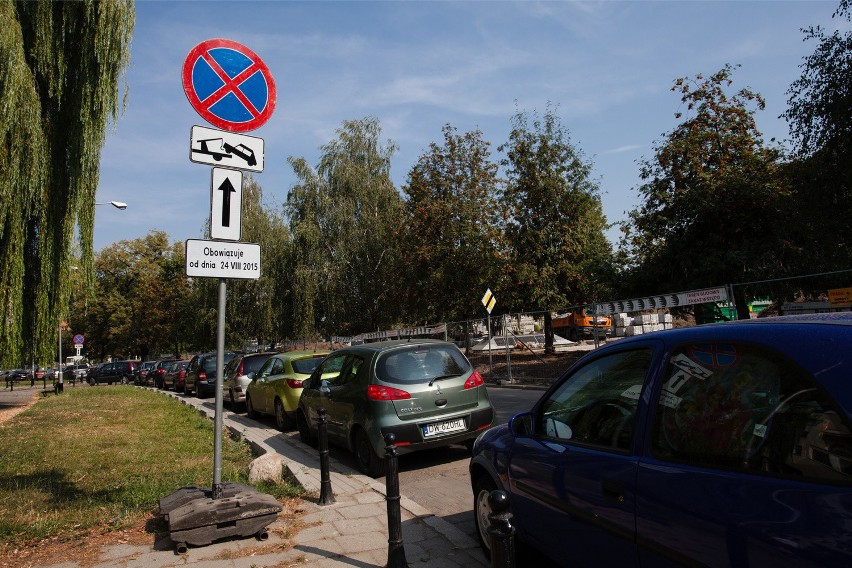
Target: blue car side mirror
521	424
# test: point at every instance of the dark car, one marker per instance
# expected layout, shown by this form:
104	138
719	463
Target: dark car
119	372
201	374
158	371
142	373
717	445
174	375
22	374
93	372
425	392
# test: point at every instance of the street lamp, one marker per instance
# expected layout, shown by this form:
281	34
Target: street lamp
117	204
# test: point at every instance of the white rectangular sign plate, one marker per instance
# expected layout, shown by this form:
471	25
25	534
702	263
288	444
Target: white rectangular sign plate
220	259
226	149
226	198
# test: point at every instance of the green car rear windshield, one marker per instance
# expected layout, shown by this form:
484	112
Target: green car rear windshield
421	363
306	366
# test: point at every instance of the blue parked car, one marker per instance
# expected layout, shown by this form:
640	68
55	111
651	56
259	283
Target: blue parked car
725	445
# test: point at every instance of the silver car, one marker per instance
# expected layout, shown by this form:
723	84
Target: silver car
238	374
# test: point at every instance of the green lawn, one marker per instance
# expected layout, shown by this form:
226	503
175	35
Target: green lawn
102	457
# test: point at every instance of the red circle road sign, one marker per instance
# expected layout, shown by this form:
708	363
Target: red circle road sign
229	85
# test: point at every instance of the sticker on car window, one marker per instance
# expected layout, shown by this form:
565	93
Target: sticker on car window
685	369
632	392
669	400
690	366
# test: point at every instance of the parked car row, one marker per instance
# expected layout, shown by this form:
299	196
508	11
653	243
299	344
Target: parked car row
189	376
71	373
17	375
425	392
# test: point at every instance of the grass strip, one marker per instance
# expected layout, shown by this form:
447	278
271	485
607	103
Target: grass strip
98	458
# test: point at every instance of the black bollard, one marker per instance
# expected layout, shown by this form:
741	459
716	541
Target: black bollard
500	530
326	494
396	548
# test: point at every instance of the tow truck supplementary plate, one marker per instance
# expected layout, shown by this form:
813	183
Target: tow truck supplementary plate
226	149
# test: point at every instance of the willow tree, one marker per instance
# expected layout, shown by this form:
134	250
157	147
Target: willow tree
60	70
345	218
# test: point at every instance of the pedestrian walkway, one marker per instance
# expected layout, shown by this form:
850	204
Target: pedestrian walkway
351	532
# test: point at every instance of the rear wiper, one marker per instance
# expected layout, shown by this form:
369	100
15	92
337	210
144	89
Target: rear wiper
441	378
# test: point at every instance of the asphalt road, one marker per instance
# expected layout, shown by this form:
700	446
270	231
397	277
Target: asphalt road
438	479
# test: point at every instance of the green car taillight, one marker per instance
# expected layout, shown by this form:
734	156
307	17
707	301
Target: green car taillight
473	381
379	392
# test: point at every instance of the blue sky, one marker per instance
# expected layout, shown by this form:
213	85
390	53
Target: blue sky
607	67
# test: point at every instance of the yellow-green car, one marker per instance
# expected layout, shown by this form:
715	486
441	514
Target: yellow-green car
276	387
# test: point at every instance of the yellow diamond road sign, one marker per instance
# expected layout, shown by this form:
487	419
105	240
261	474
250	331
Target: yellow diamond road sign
488	300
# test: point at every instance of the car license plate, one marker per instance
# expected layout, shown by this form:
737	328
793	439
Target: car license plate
438	428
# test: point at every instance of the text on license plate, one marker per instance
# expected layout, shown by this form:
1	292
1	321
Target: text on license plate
438	428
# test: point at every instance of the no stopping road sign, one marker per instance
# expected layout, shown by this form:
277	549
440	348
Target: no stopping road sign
229	85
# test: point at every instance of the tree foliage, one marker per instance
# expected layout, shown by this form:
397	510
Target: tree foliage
820	119
559	253
820	102
556	223
141	301
259	309
345	217
453	223
712	198
60	67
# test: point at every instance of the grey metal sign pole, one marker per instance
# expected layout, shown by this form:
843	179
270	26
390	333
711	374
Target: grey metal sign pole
220	371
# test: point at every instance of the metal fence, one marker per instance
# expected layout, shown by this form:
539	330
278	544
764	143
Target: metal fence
514	350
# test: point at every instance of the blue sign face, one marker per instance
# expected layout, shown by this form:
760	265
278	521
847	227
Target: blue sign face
229	85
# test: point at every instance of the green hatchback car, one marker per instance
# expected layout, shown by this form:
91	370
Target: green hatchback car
276	387
424	392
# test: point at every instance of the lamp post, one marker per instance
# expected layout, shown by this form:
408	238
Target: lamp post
117	204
